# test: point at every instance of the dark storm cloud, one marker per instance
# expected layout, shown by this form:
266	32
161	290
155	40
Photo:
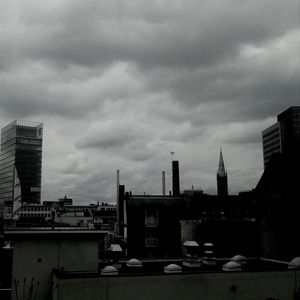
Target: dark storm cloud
153	34
268	79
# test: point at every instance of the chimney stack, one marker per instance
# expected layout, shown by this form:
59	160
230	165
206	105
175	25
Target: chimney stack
175	178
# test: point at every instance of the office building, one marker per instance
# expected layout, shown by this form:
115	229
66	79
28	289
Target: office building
222	183
21	153
283	136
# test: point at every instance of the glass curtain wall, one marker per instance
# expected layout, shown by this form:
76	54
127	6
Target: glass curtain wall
21	148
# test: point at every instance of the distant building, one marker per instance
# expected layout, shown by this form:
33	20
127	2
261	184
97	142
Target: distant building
63	213
222	183
21	152
34	214
157	226
283	136
152	225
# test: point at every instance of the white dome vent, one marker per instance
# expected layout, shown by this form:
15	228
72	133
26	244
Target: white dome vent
172	268
232	266
109	271
239	259
294	263
134	263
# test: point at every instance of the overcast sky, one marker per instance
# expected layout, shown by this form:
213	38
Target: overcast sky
120	84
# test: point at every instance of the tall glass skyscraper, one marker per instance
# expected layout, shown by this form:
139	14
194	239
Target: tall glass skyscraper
21	152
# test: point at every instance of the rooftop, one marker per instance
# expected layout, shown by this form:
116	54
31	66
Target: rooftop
157	267
23	123
57	233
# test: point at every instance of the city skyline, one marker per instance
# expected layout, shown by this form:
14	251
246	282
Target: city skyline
120	86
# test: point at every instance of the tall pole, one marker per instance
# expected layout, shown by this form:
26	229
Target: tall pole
118	183
163	174
118	201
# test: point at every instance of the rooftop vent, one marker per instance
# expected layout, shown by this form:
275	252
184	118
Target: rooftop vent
134	263
109	271
190	244
232	266
295	263
209	258
172	268
115	248
191	259
239	259
191	248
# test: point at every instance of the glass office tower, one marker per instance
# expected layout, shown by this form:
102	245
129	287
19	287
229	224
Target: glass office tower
21	151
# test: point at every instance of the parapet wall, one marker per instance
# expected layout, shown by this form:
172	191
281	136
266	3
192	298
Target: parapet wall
209	286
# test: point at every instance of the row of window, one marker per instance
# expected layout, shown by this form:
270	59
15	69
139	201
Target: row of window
31	132
274	131
7	134
37	208
7	154
7	166
31	215
272	150
8	147
107	208
296	116
272	145
271	138
29	141
297	132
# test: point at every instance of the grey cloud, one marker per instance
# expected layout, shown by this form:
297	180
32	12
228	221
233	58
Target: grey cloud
114	140
120	84
190	35
268	79
110	135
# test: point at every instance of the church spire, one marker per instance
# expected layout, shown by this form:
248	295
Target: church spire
221	170
222	183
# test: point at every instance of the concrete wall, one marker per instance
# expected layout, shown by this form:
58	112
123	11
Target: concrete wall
209	286
37	259
79	255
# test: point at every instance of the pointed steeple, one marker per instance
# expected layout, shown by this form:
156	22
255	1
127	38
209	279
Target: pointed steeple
222	183
221	170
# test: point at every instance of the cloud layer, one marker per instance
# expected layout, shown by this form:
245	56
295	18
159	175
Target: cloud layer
120	84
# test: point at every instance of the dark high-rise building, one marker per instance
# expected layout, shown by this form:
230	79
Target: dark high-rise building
175	178
271	142
222	183
21	152
283	136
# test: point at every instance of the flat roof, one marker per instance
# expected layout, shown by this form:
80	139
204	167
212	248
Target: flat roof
56	233
154	267
139	200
